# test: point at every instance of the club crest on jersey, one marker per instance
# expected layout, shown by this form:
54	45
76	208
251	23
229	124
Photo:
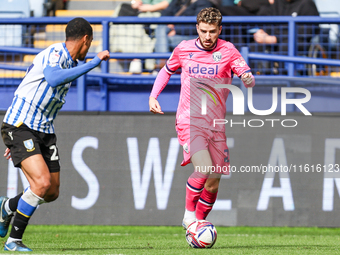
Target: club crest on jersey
217	56
29	145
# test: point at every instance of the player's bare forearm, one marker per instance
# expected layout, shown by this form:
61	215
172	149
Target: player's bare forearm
154	106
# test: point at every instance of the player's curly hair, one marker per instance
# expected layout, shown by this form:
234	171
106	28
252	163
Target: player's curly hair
210	15
77	28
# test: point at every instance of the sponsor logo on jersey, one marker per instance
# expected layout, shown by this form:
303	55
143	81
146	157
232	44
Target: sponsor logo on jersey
191	54
203	70
29	145
217	56
240	62
54	58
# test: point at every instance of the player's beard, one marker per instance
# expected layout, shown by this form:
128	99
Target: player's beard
210	46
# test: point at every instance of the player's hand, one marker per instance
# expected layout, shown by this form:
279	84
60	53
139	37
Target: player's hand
7	154
104	55
248	80
154	106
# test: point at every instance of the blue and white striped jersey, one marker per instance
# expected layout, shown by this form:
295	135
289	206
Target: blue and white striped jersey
36	103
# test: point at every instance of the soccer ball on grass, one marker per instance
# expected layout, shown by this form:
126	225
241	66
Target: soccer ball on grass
201	234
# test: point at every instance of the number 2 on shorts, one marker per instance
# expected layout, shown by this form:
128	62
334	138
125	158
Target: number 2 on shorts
54	155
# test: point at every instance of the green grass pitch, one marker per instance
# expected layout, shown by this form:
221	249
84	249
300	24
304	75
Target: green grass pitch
171	240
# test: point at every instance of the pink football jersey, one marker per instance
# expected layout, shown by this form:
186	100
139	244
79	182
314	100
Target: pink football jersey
202	70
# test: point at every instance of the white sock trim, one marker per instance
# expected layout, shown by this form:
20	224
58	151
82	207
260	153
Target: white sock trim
30	198
11	240
189	215
9	211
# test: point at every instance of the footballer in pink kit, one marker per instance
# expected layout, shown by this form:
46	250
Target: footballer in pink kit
206	62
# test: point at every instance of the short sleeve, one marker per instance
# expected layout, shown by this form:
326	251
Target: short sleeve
173	62
237	64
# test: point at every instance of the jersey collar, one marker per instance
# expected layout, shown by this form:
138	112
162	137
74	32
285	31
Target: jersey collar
74	63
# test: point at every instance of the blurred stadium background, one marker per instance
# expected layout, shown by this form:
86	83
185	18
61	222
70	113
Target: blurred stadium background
120	160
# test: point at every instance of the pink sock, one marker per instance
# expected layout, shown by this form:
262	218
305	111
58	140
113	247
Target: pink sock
205	204
195	185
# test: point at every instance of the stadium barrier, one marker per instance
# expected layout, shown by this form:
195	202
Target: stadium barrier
102	84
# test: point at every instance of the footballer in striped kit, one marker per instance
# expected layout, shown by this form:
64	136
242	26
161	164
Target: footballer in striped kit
28	129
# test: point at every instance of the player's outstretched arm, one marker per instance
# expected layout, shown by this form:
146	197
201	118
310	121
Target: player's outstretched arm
248	80
154	106
56	76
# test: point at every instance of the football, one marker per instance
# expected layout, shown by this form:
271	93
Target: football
201	234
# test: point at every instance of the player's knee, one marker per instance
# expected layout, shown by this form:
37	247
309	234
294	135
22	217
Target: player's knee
42	186
46	185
